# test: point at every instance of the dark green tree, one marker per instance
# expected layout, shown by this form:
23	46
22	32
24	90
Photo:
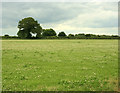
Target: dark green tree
80	36
48	32
27	26
23	34
88	35
6	36
71	35
62	34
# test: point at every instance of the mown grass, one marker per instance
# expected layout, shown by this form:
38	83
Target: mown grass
59	65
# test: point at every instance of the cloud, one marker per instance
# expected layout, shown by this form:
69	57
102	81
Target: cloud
87	30
60	1
11	31
70	17
98	19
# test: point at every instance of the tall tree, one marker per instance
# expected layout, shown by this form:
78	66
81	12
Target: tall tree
62	34
27	26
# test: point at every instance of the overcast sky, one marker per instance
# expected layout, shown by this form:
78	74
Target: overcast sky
79	17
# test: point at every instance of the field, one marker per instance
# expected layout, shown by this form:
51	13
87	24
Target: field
59	65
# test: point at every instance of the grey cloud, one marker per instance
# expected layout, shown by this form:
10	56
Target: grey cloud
56	13
43	12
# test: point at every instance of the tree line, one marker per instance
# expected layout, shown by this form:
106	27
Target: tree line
29	28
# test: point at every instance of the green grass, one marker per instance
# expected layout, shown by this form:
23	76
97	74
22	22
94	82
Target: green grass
59	65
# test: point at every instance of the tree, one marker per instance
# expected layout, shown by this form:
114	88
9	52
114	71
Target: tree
23	34
62	34
71	35
88	35
48	32
27	26
80	36
6	36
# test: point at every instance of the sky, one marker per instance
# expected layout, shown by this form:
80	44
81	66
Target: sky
70	17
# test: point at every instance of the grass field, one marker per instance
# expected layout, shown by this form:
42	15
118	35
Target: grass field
60	65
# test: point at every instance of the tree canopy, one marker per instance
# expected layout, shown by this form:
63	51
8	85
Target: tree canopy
49	32
62	34
30	28
27	26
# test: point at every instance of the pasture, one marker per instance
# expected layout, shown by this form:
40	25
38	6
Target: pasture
60	65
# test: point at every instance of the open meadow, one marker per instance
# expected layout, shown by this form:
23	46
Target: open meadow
60	65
